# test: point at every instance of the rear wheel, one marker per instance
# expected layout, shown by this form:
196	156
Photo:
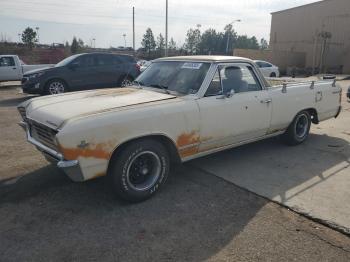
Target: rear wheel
126	81
139	170
299	129
273	74
55	86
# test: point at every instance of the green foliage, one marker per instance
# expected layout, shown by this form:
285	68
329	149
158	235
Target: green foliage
193	40
29	37
263	44
172	45
148	42
77	45
160	43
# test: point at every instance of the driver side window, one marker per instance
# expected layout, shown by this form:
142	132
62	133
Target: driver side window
215	87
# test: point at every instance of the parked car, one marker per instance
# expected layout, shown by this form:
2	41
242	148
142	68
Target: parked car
268	69
181	108
348	94
12	68
82	72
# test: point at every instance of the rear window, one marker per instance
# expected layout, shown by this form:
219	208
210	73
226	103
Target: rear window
126	59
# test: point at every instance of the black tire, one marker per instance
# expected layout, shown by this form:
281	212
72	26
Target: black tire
139	170
298	130
55	86
273	74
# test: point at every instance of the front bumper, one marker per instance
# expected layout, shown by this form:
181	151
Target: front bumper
32	86
71	167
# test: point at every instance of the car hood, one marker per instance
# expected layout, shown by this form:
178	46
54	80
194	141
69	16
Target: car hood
43	69
55	110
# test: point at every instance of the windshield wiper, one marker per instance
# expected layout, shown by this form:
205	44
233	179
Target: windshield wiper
165	88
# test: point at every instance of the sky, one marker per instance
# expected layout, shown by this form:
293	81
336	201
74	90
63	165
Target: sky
107	20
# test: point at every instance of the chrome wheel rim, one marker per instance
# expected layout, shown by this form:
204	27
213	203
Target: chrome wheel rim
126	82
56	88
143	171
301	126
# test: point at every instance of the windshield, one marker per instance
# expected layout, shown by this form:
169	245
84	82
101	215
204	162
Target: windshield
181	77
66	61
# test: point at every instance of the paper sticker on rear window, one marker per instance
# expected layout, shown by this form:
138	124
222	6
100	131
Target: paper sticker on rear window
194	66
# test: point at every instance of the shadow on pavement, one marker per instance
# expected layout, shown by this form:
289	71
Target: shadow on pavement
194	217
12	102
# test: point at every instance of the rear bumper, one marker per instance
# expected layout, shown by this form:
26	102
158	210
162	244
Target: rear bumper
70	167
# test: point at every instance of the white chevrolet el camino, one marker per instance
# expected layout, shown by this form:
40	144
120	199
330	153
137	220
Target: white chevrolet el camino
179	109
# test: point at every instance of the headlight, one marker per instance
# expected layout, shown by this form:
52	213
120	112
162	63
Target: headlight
32	76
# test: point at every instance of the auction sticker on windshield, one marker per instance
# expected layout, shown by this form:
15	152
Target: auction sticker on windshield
195	66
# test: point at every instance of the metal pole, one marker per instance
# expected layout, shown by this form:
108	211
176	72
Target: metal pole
228	40
166	28
133	29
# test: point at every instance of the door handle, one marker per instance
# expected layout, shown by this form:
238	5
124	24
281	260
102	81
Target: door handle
14	68
266	101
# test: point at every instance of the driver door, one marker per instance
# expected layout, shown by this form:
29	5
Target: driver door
230	117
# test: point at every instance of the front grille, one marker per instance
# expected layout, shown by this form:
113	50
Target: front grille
22	112
43	134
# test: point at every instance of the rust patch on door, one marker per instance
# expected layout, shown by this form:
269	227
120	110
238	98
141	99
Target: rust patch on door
100	151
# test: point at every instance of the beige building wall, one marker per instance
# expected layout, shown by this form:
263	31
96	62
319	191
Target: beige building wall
298	30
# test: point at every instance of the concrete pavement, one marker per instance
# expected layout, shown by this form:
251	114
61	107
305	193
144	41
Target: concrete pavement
312	178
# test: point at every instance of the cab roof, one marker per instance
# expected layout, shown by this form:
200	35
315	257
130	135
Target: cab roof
205	58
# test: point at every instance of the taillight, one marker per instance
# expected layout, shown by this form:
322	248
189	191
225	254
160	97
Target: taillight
138	67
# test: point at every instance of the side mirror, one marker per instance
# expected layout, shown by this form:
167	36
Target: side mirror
228	94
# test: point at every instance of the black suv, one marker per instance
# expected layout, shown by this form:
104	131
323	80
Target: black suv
82	72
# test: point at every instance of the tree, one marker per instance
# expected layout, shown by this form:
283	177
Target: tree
74	47
263	44
172	45
193	39
211	42
160	43
77	45
245	42
29	37
148	42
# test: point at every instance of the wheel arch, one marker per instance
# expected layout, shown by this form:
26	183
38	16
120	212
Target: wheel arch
313	113
163	139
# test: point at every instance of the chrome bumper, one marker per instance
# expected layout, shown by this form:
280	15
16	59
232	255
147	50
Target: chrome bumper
71	167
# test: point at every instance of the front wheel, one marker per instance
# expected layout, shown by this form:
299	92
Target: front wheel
139	170
55	86
299	129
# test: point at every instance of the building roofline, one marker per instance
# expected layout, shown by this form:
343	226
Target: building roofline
300	6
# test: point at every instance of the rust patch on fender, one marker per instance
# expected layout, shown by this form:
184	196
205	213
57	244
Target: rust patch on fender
100	151
98	175
186	139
